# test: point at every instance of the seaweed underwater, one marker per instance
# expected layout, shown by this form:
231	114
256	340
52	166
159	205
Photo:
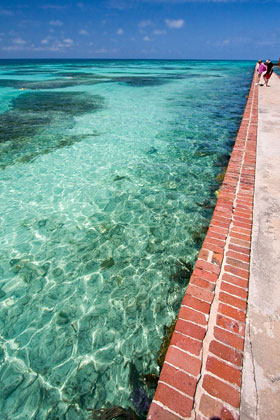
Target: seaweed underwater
37	123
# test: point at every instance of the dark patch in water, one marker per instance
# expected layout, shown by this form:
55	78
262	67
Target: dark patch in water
152	150
165	342
139	396
81	75
15	126
107	263
199	235
48	84
119	178
183	272
73	103
206	204
140	81
27	72
111	413
140	400
22	128
151	379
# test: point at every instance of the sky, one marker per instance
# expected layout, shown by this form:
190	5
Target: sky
153	29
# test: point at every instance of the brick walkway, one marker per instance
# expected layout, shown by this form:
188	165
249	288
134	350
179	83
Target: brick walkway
201	376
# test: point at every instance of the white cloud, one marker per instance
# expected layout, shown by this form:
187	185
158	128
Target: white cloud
83	32
6	12
52	6
159	32
80	5
19	41
56	22
146	38
44	41
11	48
120	31
175	24
68	41
145	23
101	51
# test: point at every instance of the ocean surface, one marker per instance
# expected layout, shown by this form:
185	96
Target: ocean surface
108	173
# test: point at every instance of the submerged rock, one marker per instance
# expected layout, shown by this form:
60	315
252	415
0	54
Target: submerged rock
183	272
206	204
199	235
119	178
107	263
140	400
220	177
152	150
151	379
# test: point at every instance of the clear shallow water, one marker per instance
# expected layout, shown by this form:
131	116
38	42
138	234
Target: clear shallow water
107	184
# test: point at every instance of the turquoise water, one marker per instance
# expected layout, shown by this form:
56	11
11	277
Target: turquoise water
107	185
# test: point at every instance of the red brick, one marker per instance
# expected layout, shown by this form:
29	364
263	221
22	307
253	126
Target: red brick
190	329
178	379
247	215
211	407
237	271
220	243
235	280
192	315
227	414
220	223
217	258
239	242
223	370
227	353
238	256
247	226
238	264
174	400
197	304
212	268
233	301
203	254
232	312
231	325
204	284
216	229
240	236
228	338
212	247
205	275
158	413
212	234
233	290
241	249
186	343
222	212
221	390
183	361
201	294
245	231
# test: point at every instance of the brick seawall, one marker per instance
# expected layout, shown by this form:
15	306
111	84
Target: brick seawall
202	372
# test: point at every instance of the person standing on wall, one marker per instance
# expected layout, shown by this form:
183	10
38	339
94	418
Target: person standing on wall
261	69
269	71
